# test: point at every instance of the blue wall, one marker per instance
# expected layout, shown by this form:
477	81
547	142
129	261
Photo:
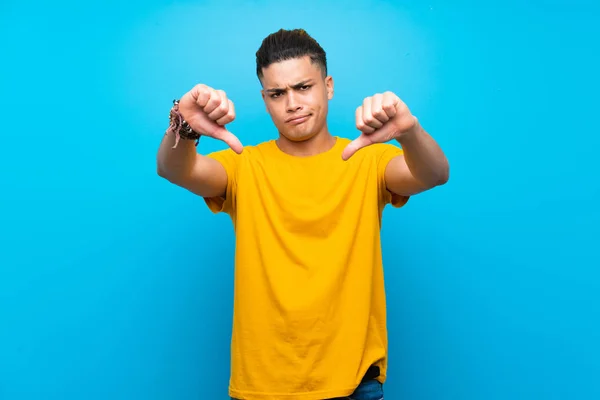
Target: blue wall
116	284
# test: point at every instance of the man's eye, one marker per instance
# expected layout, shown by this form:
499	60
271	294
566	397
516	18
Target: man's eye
305	87
275	95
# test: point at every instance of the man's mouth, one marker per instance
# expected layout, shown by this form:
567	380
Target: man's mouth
297	119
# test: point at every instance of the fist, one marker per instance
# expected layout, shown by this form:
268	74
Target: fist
380	118
207	111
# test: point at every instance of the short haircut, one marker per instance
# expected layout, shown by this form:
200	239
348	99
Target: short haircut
286	45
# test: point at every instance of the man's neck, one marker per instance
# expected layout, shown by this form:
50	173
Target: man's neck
319	143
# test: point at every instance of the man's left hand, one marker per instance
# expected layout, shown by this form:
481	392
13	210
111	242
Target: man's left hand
380	118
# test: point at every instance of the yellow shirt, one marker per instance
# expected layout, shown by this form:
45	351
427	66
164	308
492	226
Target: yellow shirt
309	304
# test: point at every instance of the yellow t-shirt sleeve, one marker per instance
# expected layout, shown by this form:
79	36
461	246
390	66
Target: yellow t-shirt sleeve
386	154
230	161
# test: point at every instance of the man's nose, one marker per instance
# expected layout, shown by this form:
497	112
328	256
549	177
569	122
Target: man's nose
292	103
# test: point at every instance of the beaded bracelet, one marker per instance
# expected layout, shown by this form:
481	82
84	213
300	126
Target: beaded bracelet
180	127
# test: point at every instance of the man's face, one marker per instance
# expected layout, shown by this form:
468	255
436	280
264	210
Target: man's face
296	96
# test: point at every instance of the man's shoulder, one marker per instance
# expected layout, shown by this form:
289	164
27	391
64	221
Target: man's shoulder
248	150
258	150
374	149
267	145
268	149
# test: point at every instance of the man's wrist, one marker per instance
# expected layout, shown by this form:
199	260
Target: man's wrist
410	134
179	127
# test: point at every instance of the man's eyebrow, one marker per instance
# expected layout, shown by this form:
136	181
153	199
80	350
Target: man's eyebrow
296	86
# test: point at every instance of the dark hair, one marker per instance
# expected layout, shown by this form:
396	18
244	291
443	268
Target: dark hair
288	44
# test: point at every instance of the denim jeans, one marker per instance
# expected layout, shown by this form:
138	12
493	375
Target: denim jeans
368	390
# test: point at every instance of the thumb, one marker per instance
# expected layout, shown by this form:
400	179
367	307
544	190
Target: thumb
355	145
232	141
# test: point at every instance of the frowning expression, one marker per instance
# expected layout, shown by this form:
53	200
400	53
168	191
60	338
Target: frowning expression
296	95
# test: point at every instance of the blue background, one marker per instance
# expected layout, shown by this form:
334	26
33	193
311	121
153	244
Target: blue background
116	284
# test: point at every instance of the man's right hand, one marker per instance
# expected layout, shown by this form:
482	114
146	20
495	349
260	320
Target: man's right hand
207	111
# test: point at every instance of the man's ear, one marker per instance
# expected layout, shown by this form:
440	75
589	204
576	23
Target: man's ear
264	97
329	85
262	89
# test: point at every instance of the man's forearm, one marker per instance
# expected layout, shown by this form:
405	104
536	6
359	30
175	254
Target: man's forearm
175	162
424	157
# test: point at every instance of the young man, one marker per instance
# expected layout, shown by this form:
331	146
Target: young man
309	309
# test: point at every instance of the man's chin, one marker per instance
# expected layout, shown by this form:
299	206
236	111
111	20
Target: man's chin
298	138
